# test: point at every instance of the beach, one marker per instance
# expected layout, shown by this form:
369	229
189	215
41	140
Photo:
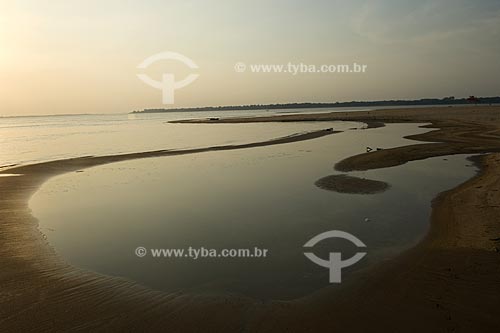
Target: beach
448	282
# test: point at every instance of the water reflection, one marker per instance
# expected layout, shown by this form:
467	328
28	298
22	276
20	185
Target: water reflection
262	197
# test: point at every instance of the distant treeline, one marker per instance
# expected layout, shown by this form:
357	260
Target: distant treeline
426	101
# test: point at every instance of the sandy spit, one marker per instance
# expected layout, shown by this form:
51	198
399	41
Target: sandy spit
448	283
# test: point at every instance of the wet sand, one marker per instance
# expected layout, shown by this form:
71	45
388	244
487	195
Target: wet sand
352	185
448	283
40	292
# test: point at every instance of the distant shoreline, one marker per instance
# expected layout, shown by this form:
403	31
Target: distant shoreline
429	102
449	280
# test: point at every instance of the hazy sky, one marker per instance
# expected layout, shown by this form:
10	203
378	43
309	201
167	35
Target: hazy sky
82	56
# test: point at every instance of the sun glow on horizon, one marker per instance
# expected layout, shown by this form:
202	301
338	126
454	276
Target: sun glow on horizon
82	56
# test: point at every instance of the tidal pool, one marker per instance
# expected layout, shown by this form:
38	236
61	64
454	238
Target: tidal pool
260	197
